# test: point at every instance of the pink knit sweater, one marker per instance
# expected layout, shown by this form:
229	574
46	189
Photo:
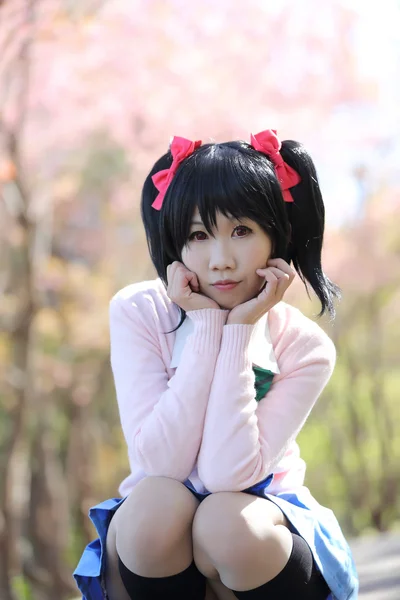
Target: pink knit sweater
200	419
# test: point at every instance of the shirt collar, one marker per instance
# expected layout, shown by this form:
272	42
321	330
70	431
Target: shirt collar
261	350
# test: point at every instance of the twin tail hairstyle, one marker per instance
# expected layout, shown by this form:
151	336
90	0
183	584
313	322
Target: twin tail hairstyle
239	181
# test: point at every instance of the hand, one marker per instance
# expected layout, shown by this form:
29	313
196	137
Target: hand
278	275
183	288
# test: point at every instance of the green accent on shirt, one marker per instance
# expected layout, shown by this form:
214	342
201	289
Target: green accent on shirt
263	381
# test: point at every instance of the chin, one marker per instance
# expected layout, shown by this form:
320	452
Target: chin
229	304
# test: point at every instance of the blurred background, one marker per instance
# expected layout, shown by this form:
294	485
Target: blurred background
90	93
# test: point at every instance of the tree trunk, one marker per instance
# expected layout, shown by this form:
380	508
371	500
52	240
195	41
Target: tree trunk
49	513
21	343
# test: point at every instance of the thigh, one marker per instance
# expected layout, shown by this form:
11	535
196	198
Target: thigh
157	511
154	527
116	589
226	517
114	586
224	510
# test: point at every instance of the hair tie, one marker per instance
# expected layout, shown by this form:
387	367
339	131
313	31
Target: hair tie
268	143
180	148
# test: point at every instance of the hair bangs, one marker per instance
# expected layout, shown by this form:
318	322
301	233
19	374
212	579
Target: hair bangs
229	178
238	181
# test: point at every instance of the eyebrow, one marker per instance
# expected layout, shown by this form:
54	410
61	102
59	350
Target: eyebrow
197	223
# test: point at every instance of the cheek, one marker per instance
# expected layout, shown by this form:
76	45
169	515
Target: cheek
185	255
264	254
257	259
191	260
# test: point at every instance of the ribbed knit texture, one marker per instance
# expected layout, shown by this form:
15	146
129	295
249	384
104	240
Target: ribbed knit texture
203	416
208	323
235	347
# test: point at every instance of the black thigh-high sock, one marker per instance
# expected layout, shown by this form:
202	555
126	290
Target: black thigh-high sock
300	578
190	583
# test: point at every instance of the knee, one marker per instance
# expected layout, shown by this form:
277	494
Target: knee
217	530
224	534
154	518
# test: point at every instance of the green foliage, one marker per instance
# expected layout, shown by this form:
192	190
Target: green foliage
348	468
80	250
22	588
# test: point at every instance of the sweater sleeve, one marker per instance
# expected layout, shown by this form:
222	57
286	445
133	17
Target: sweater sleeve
244	439
162	420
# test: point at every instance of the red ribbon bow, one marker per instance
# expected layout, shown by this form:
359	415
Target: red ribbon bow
180	148
268	143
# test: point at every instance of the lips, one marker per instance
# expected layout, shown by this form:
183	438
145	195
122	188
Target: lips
225	282
225	285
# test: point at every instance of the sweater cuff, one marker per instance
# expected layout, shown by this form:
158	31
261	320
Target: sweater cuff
235	346
208	326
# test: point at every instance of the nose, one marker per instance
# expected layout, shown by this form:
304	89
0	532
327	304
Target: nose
221	256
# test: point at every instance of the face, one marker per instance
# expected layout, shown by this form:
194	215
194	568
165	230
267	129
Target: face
234	251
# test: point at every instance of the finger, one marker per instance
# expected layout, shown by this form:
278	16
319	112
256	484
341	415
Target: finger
279	273
171	270
289	275
277	261
192	278
183	272
284	281
277	283
175	266
281	264
186	279
190	275
174	281
265	272
271	281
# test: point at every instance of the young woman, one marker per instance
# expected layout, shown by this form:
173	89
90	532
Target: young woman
215	376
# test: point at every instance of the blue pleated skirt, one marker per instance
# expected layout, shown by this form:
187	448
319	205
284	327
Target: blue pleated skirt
316	524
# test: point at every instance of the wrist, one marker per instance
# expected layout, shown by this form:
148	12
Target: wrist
198	313
235	322
239	321
234	351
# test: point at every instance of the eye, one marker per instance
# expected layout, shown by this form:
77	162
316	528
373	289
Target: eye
193	236
242	230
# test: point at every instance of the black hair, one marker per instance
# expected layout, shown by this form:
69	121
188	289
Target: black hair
235	179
